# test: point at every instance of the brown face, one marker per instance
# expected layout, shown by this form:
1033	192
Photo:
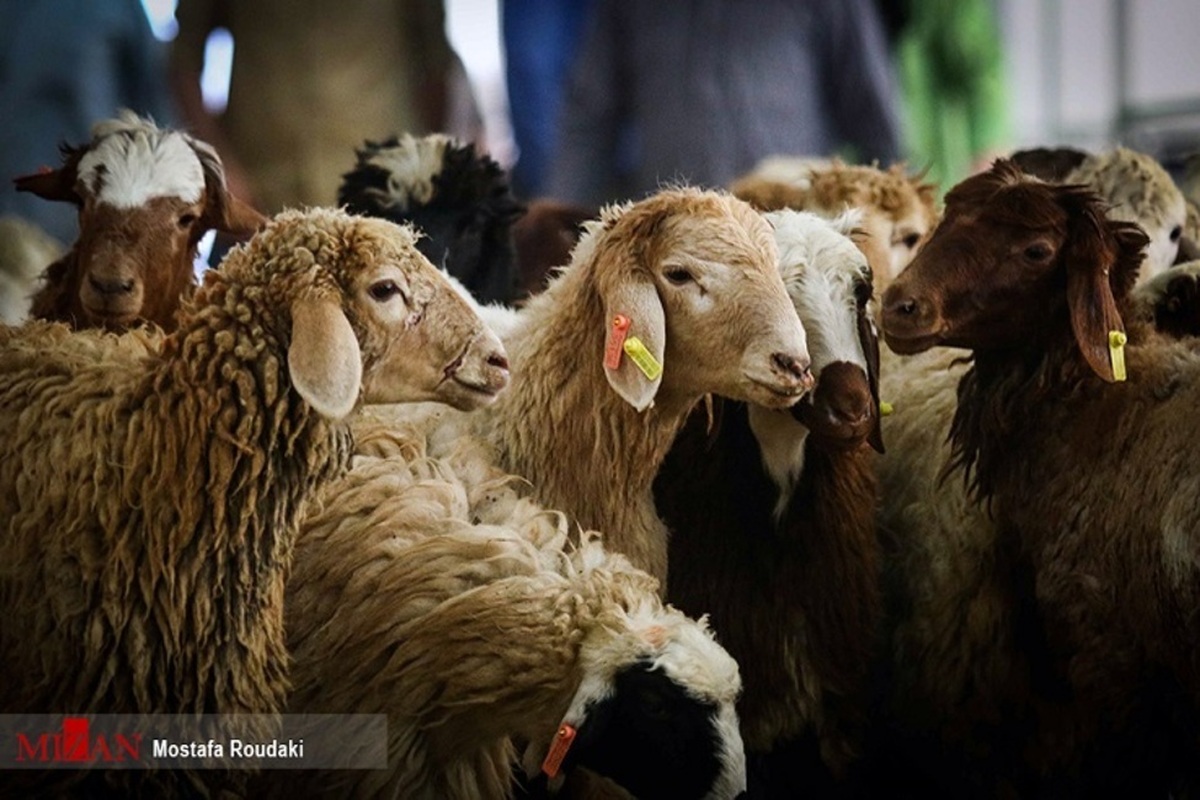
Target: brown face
989	274
135	263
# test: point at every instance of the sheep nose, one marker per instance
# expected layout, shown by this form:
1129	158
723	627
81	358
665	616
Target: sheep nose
790	365
497	360
111	286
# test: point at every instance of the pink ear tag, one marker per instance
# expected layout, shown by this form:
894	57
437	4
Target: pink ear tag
616	341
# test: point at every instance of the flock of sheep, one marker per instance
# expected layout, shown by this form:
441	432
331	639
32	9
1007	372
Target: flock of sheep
609	502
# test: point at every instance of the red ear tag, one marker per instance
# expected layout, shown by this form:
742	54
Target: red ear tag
558	749
616	341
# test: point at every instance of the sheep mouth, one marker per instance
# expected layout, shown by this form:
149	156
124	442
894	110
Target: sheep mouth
111	317
487	389
778	395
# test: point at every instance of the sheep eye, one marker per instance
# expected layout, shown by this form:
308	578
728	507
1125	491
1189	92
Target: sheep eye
679	276
1038	252
384	290
1176	232
186	220
862	292
911	240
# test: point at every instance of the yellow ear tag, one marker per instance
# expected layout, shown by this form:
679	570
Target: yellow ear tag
640	356
1116	353
886	409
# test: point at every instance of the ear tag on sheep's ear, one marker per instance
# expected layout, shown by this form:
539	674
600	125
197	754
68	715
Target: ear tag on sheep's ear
616	340
558	750
886	409
642	357
1116	353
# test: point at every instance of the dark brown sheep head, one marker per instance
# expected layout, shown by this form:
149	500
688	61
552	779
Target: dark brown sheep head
145	196
1012	258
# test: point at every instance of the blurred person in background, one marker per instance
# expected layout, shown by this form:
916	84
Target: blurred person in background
710	87
65	65
540	38
953	86
311	81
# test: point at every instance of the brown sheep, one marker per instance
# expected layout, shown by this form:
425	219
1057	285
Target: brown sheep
1054	419
145	195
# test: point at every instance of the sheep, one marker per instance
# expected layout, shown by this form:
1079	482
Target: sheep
146	195
773	514
1137	188
900	209
151	487
1052	419
25	252
692	276
544	237
957	667
481	639
460	200
1170	301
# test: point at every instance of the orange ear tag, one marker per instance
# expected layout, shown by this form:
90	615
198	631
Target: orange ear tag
616	341
558	749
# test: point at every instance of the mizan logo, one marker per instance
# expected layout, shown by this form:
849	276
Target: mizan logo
75	744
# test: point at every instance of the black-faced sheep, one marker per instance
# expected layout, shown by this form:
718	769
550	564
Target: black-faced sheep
1081	447
481	639
772	514
151	488
145	195
459	199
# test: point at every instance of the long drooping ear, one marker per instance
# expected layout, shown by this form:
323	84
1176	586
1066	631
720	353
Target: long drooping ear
1096	256
324	358
634	298
868	337
223	211
55	184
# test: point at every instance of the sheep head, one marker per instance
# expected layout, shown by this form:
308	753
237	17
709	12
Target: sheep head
369	316
654	710
145	197
1010	259
459	199
694	274
899	210
829	281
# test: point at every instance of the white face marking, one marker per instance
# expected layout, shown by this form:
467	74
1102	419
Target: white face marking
127	168
411	166
820	267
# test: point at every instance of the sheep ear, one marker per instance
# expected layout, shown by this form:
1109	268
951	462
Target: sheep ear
223	211
1090	257
51	184
636	299
324	358
868	337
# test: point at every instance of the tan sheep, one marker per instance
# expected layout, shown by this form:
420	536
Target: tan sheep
151	488
695	274
899	210
479	639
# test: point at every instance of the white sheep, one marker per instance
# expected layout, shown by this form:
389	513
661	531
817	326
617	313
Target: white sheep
151	487
772	514
146	195
25	252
